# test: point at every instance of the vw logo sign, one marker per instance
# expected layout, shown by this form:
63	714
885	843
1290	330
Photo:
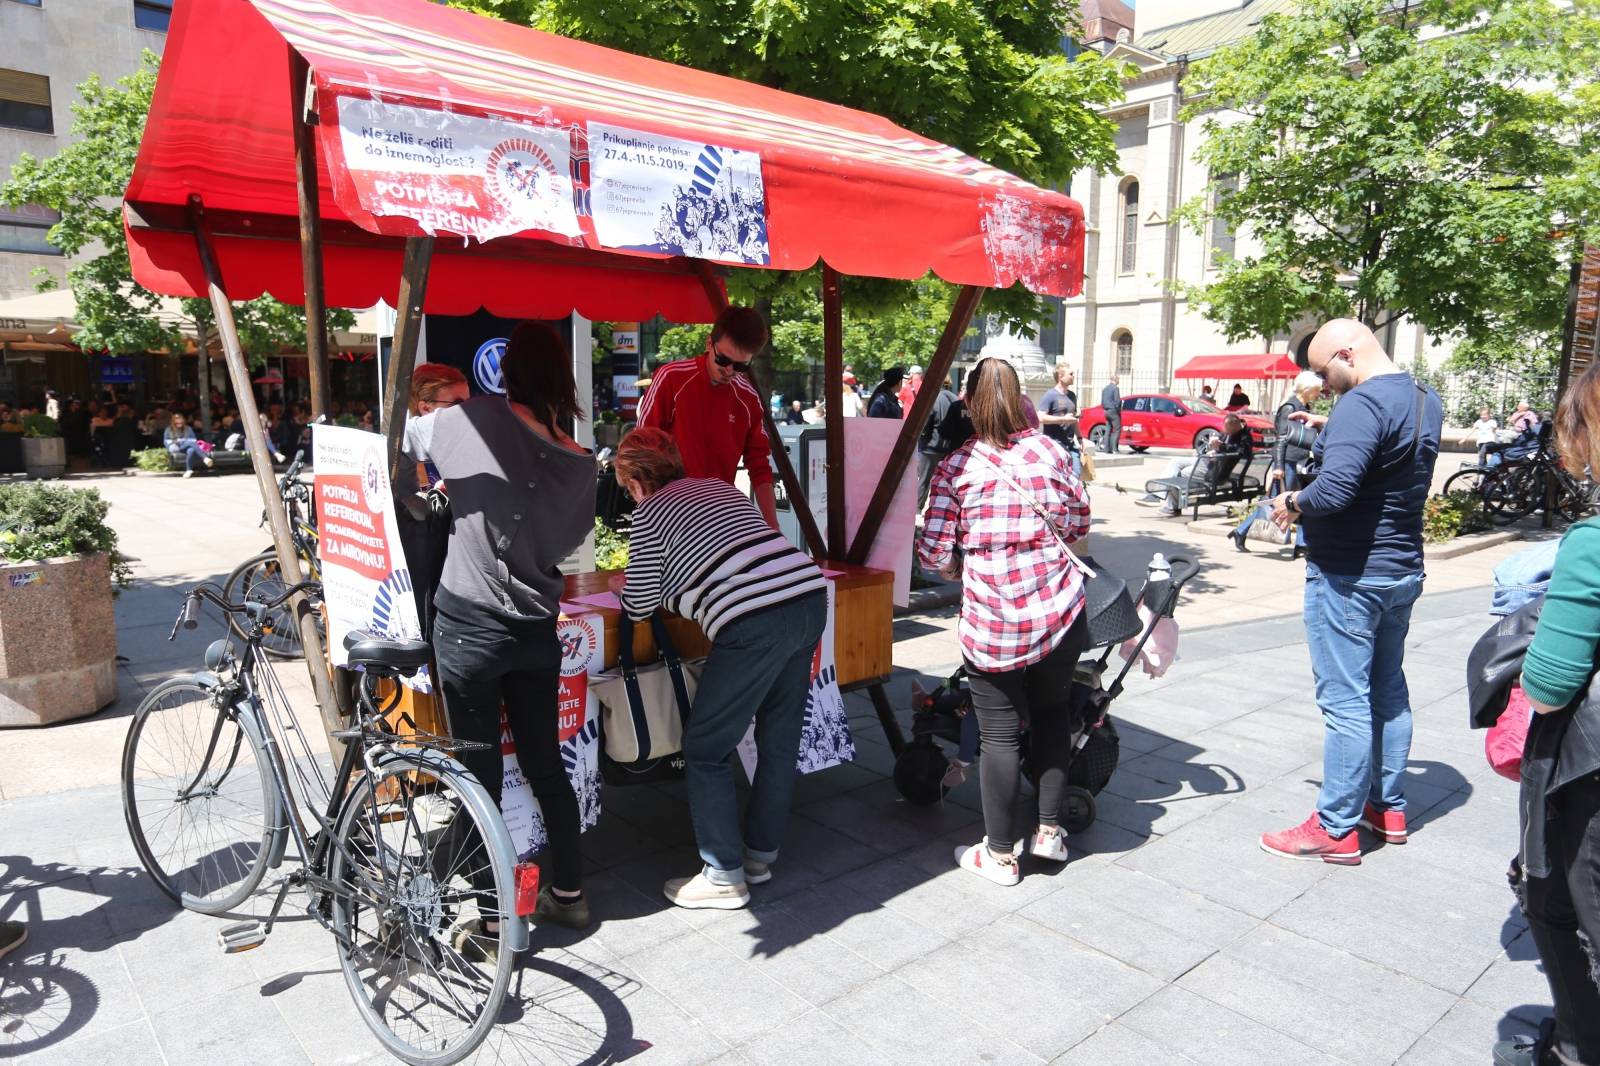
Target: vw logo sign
486	365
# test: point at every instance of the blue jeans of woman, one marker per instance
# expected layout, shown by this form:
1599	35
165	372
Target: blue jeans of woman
1356	630
193	457
760	669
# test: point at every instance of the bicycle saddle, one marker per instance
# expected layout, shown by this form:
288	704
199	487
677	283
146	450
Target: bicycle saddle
401	656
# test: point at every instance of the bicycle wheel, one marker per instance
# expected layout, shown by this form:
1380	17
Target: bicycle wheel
415	880
198	797
1469	480
1512	493
259	579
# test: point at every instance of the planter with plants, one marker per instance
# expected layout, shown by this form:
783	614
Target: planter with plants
58	571
44	451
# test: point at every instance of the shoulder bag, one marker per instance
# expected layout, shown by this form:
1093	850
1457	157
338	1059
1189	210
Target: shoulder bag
1107	604
643	710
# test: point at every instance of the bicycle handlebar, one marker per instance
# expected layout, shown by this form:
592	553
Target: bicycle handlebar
189	615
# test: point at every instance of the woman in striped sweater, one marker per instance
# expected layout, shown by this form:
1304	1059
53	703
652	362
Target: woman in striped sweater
701	549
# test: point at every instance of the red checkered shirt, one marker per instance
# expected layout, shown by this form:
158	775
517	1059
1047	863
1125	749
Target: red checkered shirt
1019	594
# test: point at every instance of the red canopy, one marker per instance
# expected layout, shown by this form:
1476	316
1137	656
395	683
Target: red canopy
577	177
1262	366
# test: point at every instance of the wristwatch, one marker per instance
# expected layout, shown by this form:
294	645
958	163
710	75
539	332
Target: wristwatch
1292	503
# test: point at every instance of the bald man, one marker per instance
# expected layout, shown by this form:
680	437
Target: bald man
1362	517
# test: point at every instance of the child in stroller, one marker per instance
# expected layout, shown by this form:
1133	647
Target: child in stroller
923	773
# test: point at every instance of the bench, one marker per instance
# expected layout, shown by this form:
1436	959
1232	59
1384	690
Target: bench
1213	480
222	462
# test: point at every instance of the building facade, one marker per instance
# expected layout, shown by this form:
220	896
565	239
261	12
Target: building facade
1130	318
47	47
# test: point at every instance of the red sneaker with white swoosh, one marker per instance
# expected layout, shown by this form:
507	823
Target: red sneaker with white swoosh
1309	840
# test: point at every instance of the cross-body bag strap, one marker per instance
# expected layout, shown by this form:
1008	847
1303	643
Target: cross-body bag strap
1038	509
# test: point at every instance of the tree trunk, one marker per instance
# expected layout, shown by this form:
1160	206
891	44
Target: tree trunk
202	377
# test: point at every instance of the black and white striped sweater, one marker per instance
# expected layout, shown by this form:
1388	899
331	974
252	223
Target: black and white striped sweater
701	549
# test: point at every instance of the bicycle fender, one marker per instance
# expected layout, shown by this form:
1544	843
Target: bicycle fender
473	793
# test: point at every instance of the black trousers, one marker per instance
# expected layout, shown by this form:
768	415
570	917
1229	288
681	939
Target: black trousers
482	666
1038	696
1564	914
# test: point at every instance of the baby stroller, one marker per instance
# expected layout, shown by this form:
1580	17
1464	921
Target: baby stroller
941	714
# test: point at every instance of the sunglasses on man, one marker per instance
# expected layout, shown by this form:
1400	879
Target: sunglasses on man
740	366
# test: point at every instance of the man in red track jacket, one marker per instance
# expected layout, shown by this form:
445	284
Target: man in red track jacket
713	411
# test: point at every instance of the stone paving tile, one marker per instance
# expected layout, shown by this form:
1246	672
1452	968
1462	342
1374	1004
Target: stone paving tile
878	934
1208	1033
907	1026
133	1044
1515	981
1116	1043
1468	1030
226	1027
813	1039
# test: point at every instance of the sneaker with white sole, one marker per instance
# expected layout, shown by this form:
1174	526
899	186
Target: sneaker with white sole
1149	499
188	473
757	872
697	894
1052	846
980	860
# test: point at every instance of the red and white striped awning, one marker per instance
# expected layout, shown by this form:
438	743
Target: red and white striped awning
576	177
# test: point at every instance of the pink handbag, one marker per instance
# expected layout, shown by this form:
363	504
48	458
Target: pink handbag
1506	738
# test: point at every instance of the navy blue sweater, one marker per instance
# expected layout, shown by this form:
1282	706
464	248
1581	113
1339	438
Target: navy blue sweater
1363	513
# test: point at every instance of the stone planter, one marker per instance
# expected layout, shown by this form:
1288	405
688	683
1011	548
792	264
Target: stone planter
44	457
58	640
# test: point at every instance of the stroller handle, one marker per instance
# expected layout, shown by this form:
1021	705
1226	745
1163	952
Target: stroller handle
1183	568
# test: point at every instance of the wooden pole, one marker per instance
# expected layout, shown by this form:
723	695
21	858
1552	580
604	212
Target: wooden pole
905	444
833	406
266	481
305	159
403	355
780	457
202	376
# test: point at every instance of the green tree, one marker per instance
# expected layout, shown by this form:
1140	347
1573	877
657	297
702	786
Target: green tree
84	182
1434	159
989	78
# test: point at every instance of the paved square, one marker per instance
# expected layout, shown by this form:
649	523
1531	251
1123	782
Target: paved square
1170	938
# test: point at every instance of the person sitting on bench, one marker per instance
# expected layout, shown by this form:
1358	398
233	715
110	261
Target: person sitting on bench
1235	445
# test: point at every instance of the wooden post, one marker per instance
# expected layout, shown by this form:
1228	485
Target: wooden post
798	501
833	406
266	481
966	305
403	355
305	159
202	376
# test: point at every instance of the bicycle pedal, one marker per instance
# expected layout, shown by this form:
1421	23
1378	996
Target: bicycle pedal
242	937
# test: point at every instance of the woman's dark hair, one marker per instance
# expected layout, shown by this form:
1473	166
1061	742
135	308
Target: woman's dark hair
892	377
994	401
537	373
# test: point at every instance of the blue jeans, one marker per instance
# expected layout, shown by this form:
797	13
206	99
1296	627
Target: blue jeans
1356	628
193	457
759	668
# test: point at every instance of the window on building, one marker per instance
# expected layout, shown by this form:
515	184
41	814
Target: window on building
1130	228
152	14
1222	238
25	101
25	229
1123	343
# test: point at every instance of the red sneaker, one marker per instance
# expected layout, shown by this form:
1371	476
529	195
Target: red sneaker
1309	840
1387	823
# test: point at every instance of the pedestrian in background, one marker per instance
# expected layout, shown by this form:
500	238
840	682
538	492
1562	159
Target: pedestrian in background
1058	414
1111	404
908	391
932	446
1484	433
885	399
1362	515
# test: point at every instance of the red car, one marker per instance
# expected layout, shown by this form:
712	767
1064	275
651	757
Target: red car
1157	420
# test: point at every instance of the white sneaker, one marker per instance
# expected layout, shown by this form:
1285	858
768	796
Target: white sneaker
978	859
1052	846
757	872
696	893
209	462
1149	499
188	473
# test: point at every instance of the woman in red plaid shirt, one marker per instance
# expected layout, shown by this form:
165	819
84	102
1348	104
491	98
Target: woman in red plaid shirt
1022	623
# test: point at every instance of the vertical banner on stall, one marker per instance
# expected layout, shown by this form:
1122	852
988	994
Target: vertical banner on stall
365	582
826	739
578	732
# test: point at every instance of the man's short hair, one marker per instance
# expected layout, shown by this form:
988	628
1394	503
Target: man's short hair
744	326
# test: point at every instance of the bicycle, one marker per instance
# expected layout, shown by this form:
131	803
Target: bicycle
260	577
404	858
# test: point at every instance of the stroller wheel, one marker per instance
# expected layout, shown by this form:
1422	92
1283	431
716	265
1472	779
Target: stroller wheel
1077	809
919	771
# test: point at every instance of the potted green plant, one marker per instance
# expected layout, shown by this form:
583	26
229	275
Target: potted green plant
58	570
44	452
